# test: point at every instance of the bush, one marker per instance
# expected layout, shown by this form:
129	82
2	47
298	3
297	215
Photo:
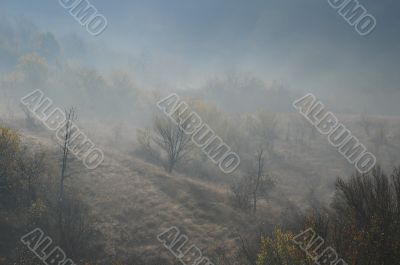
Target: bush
11	183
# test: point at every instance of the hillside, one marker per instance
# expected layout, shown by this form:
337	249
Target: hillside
131	201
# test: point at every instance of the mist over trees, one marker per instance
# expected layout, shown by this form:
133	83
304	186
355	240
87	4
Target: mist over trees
290	179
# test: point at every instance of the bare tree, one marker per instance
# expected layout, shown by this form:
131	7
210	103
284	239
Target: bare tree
172	139
73	228
70	118
257	177
259	183
248	190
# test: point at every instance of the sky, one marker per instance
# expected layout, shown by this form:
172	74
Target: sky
305	44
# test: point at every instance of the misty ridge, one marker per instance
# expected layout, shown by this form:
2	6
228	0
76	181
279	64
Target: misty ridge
159	195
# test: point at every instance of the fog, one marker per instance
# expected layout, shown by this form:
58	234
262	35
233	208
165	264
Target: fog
302	45
219	121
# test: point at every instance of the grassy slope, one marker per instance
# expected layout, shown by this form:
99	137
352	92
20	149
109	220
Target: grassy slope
132	201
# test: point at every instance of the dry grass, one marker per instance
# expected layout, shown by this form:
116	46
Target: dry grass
132	201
